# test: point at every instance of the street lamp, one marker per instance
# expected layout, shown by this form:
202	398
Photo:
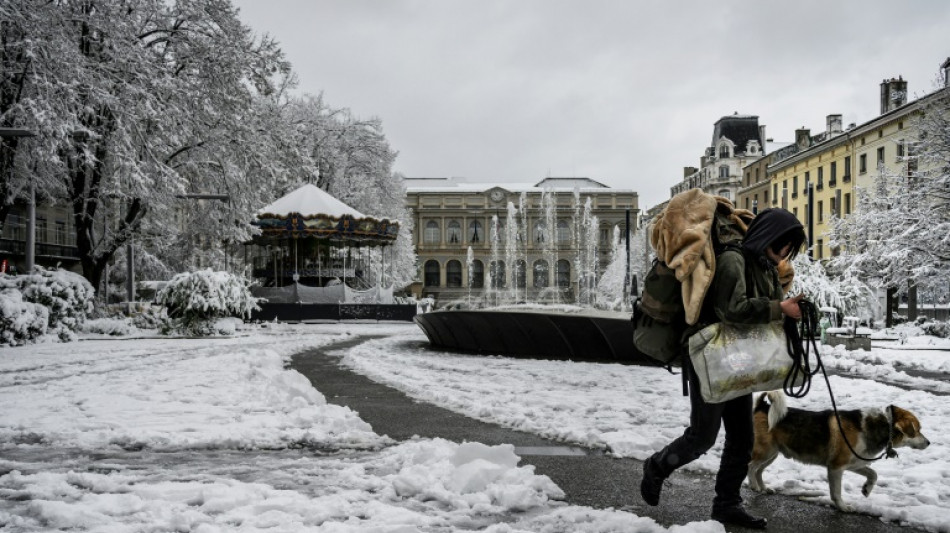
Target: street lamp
13	133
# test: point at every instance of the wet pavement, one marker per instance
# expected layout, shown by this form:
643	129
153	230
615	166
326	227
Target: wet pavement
588	477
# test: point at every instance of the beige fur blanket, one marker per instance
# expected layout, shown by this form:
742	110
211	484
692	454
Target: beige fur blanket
681	236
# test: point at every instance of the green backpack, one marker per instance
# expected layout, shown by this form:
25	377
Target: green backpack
659	317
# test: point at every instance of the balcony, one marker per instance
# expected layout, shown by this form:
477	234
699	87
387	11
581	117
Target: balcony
53	251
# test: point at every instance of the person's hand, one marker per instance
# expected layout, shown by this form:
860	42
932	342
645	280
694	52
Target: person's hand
790	307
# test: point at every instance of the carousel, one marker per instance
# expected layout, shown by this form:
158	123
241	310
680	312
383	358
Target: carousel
315	250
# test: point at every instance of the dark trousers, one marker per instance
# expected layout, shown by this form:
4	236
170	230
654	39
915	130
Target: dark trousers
705	420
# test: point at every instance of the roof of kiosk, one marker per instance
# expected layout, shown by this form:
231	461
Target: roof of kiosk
308	200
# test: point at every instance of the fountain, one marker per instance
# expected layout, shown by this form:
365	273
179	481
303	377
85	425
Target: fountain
514	325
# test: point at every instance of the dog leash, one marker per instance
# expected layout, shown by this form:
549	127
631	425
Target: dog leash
800	344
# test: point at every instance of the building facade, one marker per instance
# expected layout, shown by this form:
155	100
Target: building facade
543	241
55	239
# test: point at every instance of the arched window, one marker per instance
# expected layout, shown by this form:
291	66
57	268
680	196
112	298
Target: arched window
497	269
453	274
475	232
563	232
723	151
455	232
477	275
563	273
724	193
432	232
540	274
724	171
521	269
540	232
432	273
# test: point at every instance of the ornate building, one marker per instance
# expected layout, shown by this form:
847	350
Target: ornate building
514	241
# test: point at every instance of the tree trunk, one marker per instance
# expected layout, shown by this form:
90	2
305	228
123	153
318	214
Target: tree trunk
890	305
912	302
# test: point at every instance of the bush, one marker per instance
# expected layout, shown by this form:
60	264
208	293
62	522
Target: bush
45	301
195	300
20	321
109	326
937	329
67	295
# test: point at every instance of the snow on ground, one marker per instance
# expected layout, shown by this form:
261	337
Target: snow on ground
634	411
207	435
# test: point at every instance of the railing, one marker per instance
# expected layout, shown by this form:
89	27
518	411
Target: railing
17	247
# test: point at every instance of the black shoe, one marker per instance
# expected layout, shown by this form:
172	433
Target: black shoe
737	516
652	483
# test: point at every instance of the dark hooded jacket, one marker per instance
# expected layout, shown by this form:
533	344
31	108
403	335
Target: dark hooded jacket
746	288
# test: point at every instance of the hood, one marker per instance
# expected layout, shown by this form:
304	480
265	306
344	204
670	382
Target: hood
768	226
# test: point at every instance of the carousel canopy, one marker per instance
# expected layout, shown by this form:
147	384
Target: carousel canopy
311	212
307	201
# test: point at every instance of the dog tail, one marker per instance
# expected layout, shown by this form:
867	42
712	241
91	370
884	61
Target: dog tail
779	408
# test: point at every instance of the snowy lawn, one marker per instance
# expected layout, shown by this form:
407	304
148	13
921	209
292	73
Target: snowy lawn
634	411
207	435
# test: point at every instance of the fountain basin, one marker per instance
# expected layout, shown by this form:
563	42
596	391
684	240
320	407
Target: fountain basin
584	335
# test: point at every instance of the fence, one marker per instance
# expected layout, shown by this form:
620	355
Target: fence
294	312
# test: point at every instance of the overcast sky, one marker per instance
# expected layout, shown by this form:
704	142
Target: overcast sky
622	92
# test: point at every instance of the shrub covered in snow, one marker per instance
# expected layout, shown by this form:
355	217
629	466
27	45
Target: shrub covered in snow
937	329
67	295
109	326
20	321
45	301
195	300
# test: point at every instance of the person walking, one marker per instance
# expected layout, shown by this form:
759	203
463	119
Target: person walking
745	290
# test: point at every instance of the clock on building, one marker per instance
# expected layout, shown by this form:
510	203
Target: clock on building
497	195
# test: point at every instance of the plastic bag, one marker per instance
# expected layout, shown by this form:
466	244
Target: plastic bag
731	360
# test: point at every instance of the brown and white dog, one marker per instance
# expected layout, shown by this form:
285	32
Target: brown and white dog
814	438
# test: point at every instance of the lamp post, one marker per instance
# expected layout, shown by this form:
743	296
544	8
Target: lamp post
14	133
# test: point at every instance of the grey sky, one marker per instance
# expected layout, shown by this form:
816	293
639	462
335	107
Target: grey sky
623	92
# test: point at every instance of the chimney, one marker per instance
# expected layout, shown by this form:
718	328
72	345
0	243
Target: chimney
834	124
762	138
689	171
803	138
893	94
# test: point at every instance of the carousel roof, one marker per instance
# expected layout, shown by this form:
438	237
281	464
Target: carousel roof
310	212
309	200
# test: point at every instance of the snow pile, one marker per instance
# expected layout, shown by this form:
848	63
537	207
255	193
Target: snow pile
66	297
195	299
424	485
185	395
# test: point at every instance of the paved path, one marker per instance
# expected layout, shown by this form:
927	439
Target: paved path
588	477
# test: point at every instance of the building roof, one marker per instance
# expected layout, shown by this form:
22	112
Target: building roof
740	129
469	185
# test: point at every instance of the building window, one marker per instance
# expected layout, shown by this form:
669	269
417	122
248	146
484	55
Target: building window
821	214
795	212
521	269
757	175
604	236
880	156
477	275
41	230
833	176
834	208
820	249
475	232
747	206
540	274
563	232
794	186
15	228
59	237
432	273
540	232
847	169
432	232
900	149
455	232
724	151
453	274
847	203
821	178
563	273
497	269
724	171
765	196
774	193
862	163
725	194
